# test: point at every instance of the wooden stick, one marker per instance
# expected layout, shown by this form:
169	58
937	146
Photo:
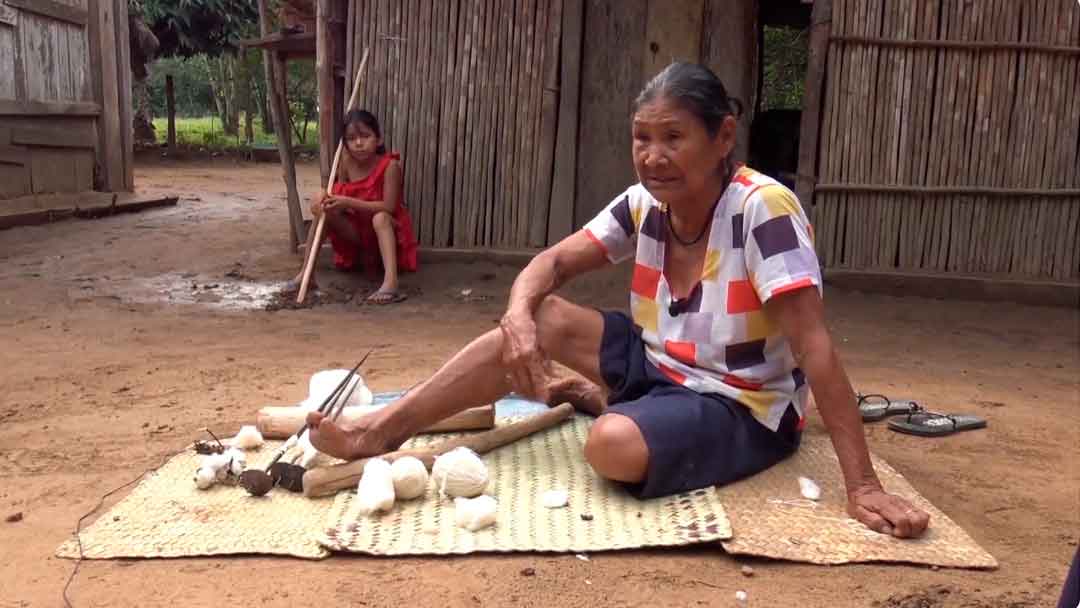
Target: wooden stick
312	253
327	480
971	45
279	422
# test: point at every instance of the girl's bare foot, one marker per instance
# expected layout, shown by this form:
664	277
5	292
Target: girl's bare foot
584	395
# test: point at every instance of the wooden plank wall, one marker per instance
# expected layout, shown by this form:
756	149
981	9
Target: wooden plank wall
50	100
459	88
1002	118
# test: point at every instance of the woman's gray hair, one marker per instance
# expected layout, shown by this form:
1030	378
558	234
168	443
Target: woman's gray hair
697	90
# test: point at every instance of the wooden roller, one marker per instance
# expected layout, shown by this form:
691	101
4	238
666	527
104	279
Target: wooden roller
280	422
327	480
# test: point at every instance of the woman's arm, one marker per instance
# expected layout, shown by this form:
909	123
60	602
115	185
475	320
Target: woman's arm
801	317
546	273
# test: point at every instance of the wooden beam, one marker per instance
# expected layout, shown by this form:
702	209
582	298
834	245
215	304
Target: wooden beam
963	45
275	73
296	45
48	108
957	286
53	10
11	155
806	174
324	63
947	190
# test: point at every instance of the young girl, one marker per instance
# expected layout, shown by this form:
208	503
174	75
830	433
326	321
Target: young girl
366	216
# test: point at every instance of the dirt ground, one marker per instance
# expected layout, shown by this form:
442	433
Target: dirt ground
124	336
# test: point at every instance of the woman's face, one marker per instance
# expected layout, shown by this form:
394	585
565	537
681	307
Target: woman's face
361	141
674	156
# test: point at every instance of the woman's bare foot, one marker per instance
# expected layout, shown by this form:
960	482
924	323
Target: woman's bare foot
584	395
359	440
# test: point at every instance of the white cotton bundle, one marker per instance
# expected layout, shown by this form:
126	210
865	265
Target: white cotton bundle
460	472
323	383
248	438
809	489
375	492
554	499
237	461
475	513
410	477
204	478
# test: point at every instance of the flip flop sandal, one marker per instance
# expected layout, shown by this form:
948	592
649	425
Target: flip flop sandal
382	298
930	424
877	407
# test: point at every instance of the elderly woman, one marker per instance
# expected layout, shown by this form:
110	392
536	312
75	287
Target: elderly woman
707	381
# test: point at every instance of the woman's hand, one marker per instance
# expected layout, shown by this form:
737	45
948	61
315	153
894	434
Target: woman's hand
526	364
886	513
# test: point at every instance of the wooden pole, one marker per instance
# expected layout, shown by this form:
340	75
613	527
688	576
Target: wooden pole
275	73
170	106
820	26
312	253
324	70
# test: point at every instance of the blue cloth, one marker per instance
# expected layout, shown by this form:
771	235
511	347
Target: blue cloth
695	440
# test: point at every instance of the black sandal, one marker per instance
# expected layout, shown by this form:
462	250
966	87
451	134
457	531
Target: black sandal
932	424
876	407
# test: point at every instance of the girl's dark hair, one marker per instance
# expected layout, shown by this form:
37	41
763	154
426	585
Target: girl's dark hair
368	120
696	89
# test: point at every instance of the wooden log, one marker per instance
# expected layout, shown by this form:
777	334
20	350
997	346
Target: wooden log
276	422
327	480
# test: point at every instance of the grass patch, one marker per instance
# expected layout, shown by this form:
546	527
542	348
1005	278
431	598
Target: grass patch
206	132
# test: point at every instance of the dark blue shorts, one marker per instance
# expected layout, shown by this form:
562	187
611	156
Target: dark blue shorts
694	440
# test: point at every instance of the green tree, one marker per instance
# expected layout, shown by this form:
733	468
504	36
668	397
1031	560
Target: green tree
191	27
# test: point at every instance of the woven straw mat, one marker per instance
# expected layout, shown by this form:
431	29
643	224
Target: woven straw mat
167	516
521	473
771	519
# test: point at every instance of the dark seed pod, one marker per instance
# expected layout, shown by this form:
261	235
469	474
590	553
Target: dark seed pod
256	482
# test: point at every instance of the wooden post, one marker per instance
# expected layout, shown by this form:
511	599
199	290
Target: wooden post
806	175
123	73
728	47
324	69
279	110
561	218
102	33
170	107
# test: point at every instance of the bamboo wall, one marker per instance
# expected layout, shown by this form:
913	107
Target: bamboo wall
513	116
466	92
950	158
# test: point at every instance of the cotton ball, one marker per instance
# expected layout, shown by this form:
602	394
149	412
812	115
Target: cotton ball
410	477
460	472
204	478
554	499
475	513
809	489
375	492
248	438
323	383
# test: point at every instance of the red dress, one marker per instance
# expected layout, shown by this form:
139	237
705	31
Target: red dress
371	189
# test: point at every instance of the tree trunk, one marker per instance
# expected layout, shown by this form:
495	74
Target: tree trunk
170	105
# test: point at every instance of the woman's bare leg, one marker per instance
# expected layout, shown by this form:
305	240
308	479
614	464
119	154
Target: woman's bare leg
568	333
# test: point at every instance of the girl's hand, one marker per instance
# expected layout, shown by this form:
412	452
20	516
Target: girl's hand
526	364
332	203
318	204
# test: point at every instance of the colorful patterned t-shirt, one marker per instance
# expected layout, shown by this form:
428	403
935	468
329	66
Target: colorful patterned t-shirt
718	338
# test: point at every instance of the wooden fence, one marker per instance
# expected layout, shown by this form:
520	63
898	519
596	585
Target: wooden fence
950	138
